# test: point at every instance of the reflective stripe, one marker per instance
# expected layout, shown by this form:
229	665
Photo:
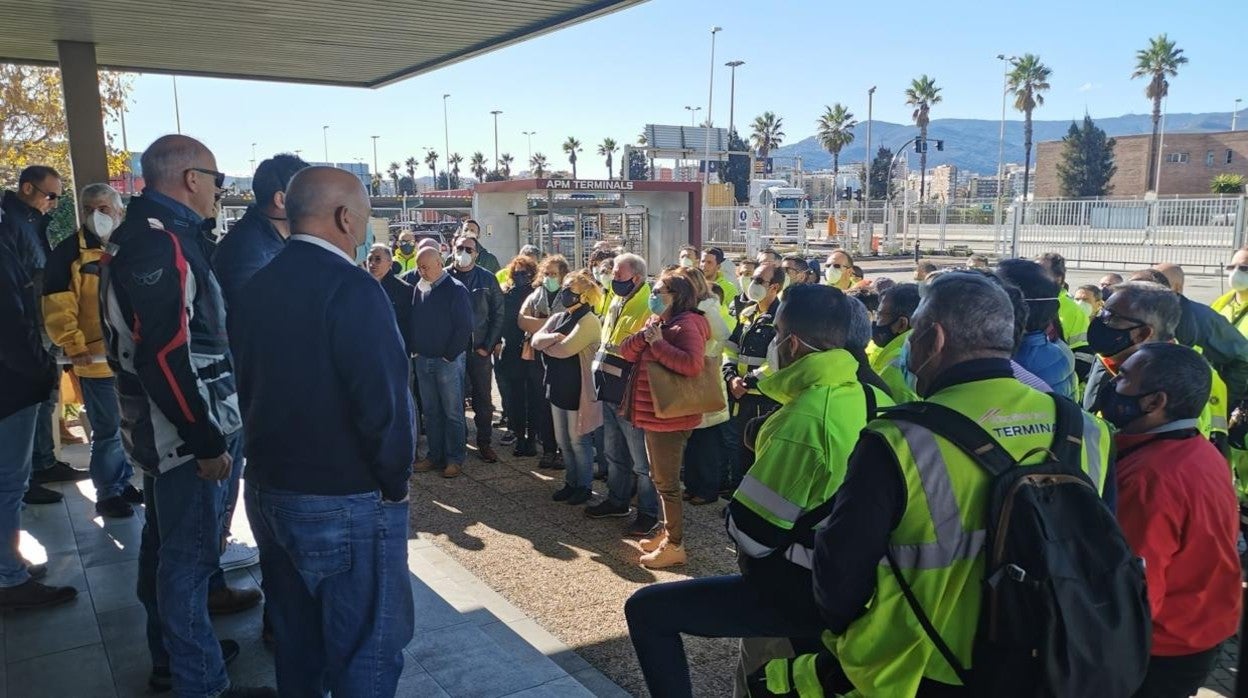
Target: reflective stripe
754	361
607	369
952	542
748	545
1077	338
1218	422
1092	448
731	346
801	556
1083	359
769	499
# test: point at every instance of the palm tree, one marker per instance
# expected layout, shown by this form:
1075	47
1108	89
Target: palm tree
836	130
431	159
572	147
767	134
477	165
505	161
1157	62
454	160
1028	82
538	163
922	94
607	149
393	171
411	164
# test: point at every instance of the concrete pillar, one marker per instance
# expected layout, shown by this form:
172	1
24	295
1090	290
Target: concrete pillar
84	113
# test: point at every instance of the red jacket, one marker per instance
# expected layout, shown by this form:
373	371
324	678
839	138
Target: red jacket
1179	511
682	350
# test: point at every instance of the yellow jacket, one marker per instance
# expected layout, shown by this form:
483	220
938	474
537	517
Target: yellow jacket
71	300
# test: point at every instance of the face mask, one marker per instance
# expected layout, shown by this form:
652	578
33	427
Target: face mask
361	250
833	275
1085	306
551	284
521	280
604	279
1239	280
424	286
686	262
882	335
568	297
463	259
755	291
916	370
406	247
1108	341
622	288
1120	410
773	354
101	224
656	304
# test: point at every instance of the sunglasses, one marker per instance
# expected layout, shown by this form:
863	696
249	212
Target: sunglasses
218	178
469	250
1237	267
49	197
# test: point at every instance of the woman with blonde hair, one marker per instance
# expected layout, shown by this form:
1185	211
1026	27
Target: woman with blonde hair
567	343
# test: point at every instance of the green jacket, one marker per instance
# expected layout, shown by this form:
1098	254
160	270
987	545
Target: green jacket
801	453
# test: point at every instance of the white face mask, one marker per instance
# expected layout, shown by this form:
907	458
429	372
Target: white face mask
101	224
686	262
1239	280
832	274
755	291
424	286
463	259
1085	306
773	355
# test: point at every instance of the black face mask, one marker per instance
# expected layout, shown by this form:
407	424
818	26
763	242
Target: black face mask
568	298
406	247
622	288
521	280
882	334
1120	410
1108	341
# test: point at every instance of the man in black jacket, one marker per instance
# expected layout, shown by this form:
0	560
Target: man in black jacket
27	374
487	333
1222	345
164	327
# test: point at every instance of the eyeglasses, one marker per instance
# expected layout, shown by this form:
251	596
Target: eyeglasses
469	250
48	196
838	266
218	178
1237	267
1107	314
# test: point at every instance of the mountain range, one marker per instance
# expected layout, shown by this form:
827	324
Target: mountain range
971	144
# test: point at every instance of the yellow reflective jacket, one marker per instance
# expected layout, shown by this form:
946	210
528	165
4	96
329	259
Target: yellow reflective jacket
71	300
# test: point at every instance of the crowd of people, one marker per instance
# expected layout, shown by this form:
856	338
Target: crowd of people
798	392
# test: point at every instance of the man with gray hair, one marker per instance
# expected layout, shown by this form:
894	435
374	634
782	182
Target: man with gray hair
1137	313
71	316
165	336
903	477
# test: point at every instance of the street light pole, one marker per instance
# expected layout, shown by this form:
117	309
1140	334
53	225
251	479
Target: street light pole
375	169
692	112
529	136
999	212
253	157
710	98
732	94
1235	114
177	110
446	142
325	141
867	167
496	112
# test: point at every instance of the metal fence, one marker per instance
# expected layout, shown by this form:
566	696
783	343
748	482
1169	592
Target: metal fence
1093	234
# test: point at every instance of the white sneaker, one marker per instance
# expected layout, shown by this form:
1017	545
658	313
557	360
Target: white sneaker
238	555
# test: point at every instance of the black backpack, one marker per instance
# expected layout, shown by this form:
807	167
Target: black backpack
1065	611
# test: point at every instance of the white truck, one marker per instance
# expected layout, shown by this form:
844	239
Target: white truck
783	209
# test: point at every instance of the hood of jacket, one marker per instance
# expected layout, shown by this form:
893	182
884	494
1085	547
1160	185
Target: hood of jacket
824	368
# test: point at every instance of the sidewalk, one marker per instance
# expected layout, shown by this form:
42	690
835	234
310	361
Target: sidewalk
469	641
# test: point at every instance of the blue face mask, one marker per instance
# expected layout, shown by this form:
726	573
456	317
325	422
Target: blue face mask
361	250
656	304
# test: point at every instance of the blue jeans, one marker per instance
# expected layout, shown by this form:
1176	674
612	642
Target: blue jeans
578	449
17	433
442	400
336	580
43	453
180	550
627	465
110	471
235	447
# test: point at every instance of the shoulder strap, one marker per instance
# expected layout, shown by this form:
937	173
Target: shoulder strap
958	429
928	628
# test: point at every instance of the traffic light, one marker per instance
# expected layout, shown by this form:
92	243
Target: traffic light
849	193
940	145
858	196
920	145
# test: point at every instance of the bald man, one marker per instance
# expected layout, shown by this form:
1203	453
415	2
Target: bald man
330	443
165	335
1223	345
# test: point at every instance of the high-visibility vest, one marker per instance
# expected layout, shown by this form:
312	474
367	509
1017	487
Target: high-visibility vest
1229	307
746	348
624	317
1074	321
939	543
886	362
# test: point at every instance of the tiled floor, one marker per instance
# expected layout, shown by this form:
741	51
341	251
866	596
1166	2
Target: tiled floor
469	641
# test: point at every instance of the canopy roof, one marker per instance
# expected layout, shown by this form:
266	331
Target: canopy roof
358	43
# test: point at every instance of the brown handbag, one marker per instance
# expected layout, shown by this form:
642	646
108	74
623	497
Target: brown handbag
675	395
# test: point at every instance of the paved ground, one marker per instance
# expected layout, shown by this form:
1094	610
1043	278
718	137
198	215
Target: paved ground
469	641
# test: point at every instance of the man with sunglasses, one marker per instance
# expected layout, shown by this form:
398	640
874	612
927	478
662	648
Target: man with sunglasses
24	217
165	335
1138	312
487	333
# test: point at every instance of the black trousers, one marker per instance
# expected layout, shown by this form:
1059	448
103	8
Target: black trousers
512	373
535	386
749	407
1177	677
480	371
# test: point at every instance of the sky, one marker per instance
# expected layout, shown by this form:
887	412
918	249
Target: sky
611	76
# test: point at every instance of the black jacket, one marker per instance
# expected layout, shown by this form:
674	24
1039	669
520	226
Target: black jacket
164	328
27	371
26	232
251	243
400	294
487	305
1223	346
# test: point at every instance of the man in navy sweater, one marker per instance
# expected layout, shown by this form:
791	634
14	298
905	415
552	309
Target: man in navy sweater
441	329
329	444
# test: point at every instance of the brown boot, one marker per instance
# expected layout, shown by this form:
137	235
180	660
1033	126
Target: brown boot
451	470
423	465
654	542
486	453
228	600
669	555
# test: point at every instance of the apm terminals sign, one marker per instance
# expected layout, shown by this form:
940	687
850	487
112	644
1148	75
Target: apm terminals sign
589	185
